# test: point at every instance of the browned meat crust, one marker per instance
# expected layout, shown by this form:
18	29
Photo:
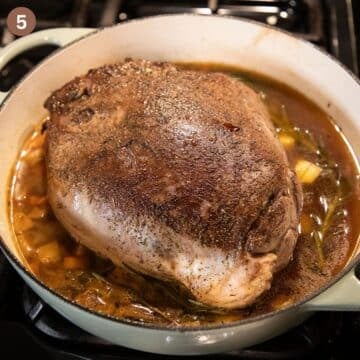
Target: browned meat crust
193	152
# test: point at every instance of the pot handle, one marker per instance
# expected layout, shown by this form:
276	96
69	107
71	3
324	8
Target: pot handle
344	295
59	36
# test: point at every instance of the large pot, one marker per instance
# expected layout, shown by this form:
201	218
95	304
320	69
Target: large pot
178	38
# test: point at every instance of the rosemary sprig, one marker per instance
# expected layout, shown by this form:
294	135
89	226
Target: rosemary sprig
160	312
199	307
319	247
153	308
329	213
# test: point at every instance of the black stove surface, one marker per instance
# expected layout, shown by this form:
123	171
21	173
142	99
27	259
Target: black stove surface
28	325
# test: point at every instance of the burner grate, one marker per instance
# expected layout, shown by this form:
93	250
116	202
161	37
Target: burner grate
301	17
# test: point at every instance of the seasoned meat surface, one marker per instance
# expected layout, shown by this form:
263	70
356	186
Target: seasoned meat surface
176	173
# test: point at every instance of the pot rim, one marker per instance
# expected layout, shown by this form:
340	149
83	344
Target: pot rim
133	323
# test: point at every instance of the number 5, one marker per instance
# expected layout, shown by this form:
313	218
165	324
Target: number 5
21	22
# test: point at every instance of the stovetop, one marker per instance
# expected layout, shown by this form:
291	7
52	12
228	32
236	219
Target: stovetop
28	323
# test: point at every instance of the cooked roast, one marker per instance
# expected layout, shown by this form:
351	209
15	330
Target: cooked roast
176	173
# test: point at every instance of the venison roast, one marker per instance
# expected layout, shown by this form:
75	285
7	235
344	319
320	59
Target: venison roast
176	173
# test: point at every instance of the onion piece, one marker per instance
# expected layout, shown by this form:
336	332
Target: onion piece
306	171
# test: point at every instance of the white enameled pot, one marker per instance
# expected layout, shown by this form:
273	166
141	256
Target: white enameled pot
192	38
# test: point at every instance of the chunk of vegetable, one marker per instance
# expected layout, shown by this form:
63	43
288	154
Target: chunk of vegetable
287	141
20	193
37	238
49	253
75	263
38	212
22	222
26	245
306	171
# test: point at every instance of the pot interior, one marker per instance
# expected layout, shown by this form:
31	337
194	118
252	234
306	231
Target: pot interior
184	39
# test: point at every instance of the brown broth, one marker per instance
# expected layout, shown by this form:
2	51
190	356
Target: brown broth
329	229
